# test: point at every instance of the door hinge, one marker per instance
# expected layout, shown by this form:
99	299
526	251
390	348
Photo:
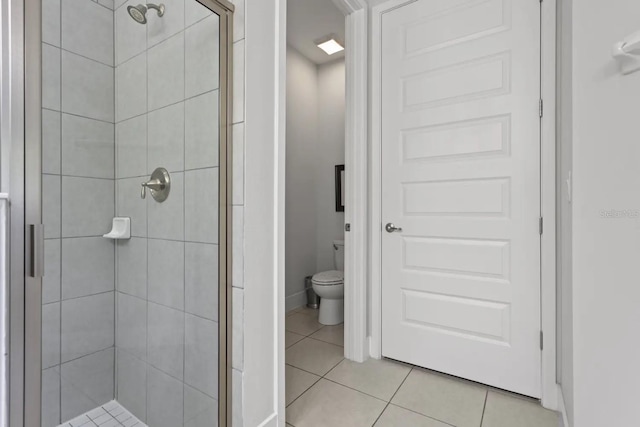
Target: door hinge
541	108
347	227
541	340
541	225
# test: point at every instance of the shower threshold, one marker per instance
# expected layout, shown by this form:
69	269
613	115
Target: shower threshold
110	414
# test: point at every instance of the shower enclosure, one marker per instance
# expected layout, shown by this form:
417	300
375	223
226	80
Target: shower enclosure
127	188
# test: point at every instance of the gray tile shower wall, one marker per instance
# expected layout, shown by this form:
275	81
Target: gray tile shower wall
238	202
166	89
120	99
78	204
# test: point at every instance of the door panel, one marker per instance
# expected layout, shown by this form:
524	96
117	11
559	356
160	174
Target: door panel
460	176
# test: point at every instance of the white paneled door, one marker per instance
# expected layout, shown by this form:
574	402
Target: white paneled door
461	182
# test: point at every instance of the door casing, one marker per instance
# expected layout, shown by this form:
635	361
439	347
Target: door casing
548	192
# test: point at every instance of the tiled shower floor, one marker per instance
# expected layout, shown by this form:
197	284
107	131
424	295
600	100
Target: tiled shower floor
110	414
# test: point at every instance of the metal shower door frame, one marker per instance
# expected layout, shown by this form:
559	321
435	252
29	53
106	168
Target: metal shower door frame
224	9
25	178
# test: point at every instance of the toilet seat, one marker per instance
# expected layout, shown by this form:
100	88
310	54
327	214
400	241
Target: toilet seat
328	278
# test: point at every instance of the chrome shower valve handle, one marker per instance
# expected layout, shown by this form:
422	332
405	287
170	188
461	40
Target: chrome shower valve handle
153	184
159	185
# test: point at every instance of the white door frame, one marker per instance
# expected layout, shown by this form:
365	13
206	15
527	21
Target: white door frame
356	166
548	199
356	207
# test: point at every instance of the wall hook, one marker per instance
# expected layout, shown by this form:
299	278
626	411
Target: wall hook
627	53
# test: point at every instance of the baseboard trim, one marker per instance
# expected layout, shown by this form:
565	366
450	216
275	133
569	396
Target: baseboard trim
294	301
271	421
373	352
561	408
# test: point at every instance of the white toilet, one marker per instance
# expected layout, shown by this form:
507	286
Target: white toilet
329	285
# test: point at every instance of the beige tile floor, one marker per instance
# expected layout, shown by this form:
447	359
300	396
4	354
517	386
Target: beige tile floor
325	390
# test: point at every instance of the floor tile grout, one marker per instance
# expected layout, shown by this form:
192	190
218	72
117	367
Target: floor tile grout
484	407
421	414
392	396
309	336
301	394
114	406
417	368
321	377
378	418
388	403
355	389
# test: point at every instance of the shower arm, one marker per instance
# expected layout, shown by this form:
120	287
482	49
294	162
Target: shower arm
159	9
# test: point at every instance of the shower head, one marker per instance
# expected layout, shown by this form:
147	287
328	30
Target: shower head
139	12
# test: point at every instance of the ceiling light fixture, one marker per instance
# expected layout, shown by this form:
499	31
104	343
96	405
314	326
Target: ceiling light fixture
330	44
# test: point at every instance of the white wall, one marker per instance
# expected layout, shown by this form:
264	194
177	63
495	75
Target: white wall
564	219
315	145
302	140
606	251
265	56
331	116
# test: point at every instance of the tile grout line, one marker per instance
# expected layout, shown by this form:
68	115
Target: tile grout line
78	297
423	415
61	198
152	46
116	274
484	407
184	212
401	384
407	409
146	214
392	396
388	403
301	394
351	388
60	111
173	104
122	178
97	61
78	176
383	411
93	353
292	312
416	368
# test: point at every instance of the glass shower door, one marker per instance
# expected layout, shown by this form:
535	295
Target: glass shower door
135	167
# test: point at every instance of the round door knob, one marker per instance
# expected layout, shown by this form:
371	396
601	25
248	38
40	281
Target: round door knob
392	228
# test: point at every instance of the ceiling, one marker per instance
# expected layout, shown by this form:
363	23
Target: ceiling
310	20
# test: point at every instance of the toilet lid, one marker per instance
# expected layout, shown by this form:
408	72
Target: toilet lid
330	277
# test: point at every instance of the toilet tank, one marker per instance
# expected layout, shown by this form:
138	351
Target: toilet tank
338	255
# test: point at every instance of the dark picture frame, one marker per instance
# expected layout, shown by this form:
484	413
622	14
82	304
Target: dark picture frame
340	188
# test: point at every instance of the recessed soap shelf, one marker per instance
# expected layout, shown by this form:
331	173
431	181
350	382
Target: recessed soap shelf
120	229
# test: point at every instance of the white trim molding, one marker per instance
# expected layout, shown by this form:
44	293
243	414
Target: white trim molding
263	381
356	64
4	310
562	408
549	395
347	7
548	203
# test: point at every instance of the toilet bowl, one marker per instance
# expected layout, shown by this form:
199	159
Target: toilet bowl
329	285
